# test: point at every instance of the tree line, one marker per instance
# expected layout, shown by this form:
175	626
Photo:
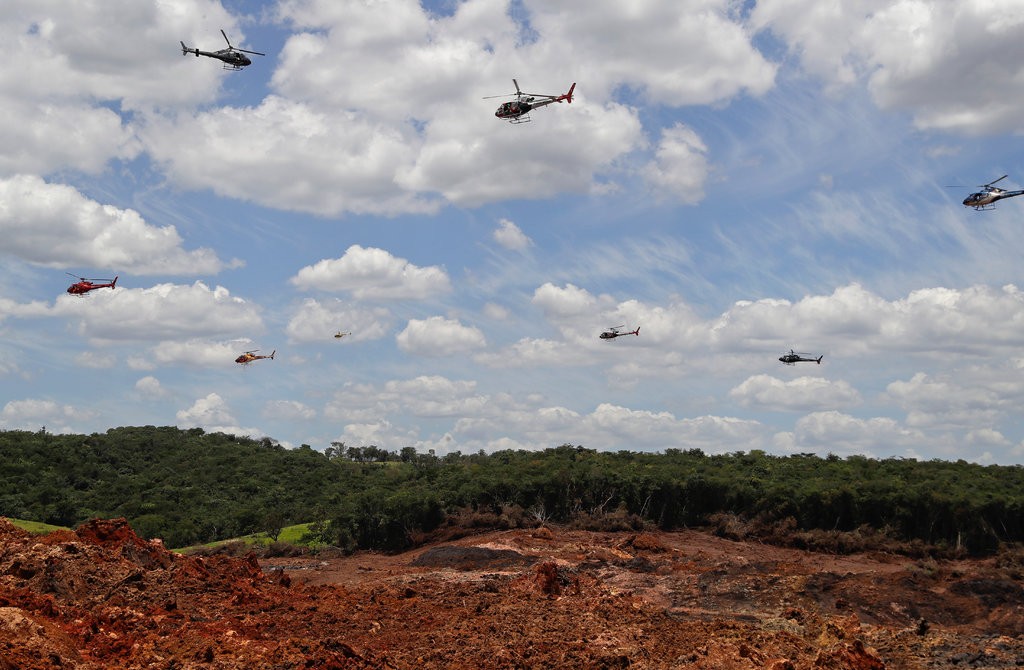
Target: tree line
190	487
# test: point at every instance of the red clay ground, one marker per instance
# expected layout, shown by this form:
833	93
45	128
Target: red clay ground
103	598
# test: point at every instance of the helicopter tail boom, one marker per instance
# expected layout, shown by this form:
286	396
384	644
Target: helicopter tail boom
568	96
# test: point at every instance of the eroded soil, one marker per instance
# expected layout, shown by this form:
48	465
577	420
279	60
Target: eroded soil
103	598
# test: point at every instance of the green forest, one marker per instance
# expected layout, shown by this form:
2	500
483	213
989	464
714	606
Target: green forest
189	487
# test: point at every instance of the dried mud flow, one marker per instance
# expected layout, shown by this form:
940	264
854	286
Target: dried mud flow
102	598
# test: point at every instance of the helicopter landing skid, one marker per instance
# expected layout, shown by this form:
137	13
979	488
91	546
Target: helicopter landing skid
523	118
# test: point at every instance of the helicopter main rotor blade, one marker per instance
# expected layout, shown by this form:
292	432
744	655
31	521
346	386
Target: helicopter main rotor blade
517	86
249	52
506	95
997	180
88	278
225	36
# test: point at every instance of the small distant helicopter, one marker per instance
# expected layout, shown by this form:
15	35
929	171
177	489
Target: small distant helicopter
83	285
518	110
792	358
614	332
338	335
233	59
983	199
250	356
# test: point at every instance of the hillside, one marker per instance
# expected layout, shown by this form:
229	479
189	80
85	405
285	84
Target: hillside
189	487
101	597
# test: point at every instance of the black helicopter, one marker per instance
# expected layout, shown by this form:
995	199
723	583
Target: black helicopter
792	358
614	332
518	110
983	199
233	59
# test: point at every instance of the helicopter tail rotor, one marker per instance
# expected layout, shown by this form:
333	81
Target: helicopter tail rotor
568	96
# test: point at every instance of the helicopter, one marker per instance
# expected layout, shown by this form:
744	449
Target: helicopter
83	285
614	332
792	358
518	110
233	59
250	356
338	335
983	199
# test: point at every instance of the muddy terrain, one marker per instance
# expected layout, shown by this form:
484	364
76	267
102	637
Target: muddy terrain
102	598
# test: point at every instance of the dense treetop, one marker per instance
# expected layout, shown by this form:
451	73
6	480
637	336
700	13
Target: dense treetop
188	486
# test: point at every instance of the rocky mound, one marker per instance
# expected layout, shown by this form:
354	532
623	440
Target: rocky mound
103	598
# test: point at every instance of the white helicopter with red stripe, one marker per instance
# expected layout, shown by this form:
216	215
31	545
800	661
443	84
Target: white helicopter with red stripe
518	110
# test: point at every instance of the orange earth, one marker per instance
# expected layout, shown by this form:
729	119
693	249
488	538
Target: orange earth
103	598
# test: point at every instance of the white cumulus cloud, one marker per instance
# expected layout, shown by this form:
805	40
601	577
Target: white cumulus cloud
318	321
438	336
370	273
680	165
510	236
149	387
954	64
839	433
33	413
55	225
800	394
161	311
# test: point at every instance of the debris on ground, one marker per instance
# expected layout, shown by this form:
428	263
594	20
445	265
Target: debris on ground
103	598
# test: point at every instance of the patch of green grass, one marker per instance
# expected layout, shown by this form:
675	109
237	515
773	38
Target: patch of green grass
289	534
293	534
36	527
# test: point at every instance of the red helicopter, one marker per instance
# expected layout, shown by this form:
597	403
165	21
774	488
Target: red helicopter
83	285
250	356
518	110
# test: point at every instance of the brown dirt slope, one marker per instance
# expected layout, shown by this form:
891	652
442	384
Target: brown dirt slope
103	598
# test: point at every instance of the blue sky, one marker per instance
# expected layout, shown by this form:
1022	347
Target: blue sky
736	179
